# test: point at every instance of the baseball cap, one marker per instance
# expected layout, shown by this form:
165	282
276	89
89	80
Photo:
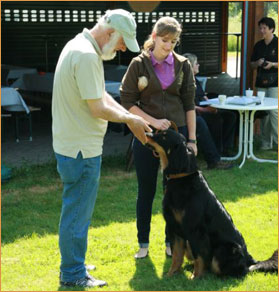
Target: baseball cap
123	21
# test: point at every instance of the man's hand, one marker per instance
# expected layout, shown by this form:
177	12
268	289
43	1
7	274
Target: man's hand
268	66
260	62
138	126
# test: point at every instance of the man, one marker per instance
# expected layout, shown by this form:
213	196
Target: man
265	60
81	108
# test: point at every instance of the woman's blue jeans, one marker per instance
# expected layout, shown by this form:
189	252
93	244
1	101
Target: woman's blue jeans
80	179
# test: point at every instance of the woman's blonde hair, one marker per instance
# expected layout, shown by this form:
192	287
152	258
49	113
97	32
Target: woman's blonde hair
164	26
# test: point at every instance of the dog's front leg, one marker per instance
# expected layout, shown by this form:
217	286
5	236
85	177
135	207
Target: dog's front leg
195	245
178	251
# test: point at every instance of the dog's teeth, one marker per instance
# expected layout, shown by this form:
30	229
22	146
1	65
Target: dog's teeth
149	134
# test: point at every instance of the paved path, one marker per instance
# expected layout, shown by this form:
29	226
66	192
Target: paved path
40	149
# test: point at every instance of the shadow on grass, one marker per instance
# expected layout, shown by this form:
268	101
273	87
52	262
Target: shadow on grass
142	281
31	200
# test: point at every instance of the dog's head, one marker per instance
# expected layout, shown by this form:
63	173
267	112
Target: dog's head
175	156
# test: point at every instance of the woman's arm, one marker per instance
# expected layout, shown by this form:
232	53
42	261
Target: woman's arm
129	92
191	125
188	88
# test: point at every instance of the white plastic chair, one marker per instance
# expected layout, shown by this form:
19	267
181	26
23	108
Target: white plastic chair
12	101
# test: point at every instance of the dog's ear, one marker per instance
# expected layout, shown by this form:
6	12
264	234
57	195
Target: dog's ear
182	137
192	162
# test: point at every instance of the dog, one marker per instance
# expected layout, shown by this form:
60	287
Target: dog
199	225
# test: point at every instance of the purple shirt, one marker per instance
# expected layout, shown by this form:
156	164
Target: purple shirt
164	70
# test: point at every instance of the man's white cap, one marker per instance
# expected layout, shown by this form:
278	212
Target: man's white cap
123	21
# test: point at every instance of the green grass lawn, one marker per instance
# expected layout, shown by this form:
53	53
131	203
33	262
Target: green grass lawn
31	203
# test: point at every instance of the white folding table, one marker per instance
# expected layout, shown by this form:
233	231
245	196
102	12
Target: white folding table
246	137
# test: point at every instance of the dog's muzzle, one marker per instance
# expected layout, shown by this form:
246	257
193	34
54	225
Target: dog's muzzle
149	146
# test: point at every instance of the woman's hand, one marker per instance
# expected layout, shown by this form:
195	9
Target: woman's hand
162	124
194	147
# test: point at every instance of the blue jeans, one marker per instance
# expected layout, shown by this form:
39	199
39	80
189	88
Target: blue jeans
80	179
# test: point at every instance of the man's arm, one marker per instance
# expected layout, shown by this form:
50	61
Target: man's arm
257	63
270	65
107	110
112	102
160	124
260	62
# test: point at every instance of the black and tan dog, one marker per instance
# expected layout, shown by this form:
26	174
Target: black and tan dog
198	223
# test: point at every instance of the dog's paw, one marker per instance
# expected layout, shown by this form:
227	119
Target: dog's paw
196	276
169	274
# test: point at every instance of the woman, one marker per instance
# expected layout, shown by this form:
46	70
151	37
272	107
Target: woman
265	60
221	123
159	85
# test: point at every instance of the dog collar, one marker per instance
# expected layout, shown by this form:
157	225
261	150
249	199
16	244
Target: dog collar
179	175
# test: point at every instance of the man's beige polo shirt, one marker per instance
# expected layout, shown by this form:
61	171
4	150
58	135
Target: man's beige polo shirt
79	76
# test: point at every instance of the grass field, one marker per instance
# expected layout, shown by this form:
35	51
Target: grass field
31	203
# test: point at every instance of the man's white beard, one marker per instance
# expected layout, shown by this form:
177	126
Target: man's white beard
108	51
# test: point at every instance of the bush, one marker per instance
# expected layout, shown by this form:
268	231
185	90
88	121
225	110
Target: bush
234	26
235	19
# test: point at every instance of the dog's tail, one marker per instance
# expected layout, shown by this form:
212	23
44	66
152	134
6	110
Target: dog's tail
270	265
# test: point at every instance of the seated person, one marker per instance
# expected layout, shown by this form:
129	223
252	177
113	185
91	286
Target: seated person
207	146
221	123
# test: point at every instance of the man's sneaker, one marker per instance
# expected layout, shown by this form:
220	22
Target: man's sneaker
87	282
90	267
220	165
